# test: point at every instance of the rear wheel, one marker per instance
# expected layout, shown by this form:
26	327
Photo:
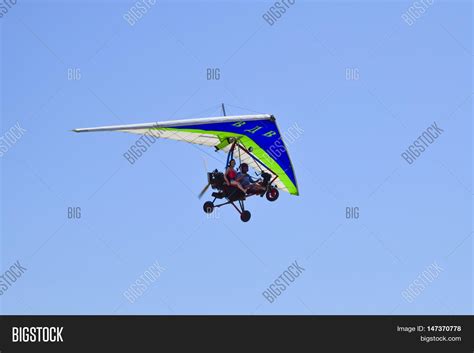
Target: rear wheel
208	207
245	216
272	194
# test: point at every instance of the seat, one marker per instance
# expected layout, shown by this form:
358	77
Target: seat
233	193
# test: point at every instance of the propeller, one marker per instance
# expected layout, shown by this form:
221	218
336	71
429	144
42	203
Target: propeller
204	190
208	181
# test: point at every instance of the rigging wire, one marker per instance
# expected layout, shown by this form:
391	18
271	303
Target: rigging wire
243	108
212	109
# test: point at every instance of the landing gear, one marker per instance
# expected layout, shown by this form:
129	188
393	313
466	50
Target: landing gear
225	194
272	194
245	216
208	207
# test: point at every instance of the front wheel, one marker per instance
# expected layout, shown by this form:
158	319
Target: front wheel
245	216
272	194
208	207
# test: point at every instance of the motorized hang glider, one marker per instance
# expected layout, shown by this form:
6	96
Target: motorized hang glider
253	139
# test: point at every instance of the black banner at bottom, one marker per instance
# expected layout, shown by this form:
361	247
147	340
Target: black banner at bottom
223	333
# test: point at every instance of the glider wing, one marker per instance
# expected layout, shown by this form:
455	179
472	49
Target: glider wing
257	133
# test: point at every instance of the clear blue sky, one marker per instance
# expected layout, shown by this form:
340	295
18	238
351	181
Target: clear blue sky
411	216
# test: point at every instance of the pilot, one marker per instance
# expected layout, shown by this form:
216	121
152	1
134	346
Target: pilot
246	181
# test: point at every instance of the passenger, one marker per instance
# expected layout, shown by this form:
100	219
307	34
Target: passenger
230	176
